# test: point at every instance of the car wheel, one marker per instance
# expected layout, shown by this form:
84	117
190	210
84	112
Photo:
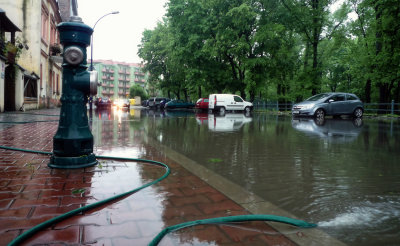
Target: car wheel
222	110
247	110
358	113
320	113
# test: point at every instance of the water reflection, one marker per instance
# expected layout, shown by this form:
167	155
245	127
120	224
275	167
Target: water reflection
331	171
223	123
341	173
334	130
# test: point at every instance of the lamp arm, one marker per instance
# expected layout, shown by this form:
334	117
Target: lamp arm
91	43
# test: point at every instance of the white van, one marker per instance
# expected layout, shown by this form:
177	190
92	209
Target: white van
223	102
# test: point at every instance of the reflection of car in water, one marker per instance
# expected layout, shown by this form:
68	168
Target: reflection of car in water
228	122
179	113
202	118
336	130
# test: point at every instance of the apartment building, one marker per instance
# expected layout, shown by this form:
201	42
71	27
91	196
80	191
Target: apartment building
116	78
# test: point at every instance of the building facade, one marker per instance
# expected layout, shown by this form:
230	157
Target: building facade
116	78
34	79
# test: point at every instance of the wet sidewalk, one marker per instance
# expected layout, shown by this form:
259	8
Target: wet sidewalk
31	193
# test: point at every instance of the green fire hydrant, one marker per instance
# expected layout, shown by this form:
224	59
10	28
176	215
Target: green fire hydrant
73	142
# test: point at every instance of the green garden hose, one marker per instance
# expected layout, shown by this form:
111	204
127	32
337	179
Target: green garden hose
69	214
26	122
158	238
230	219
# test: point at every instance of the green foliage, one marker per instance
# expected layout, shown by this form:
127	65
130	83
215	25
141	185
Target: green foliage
78	191
137	91
214	160
281	50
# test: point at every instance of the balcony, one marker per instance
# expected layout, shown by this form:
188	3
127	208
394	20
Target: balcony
127	86
107	70
104	84
124	72
140	80
103	77
139	73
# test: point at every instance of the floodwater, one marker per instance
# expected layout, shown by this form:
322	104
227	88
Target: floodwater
342	174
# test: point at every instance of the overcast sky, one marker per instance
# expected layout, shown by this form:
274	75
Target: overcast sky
117	36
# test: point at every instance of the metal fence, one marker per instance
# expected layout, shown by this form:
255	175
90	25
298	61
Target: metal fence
372	108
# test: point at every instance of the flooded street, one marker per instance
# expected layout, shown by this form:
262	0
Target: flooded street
342	174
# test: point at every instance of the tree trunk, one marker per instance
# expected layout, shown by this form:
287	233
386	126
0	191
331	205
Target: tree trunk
368	91
252	95
199	91
186	95
315	41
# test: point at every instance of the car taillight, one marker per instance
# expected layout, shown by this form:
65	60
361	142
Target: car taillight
215	100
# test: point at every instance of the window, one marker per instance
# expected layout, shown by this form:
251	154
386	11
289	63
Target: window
53	84
237	99
351	97
338	98
58	84
41	76
30	84
53	32
45	24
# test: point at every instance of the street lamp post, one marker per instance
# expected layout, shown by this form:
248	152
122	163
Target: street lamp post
91	46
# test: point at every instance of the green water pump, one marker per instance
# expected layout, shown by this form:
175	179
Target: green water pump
73	142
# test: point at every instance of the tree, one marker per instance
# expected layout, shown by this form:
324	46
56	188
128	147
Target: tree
137	91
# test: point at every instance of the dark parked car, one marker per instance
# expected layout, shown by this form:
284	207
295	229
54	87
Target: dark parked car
103	102
163	102
144	103
202	104
178	104
154	102
332	103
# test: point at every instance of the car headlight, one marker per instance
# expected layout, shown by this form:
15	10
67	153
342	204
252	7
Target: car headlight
308	106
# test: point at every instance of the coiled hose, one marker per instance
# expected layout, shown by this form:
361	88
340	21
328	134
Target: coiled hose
240	218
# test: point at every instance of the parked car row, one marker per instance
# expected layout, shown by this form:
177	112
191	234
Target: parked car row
105	102
214	103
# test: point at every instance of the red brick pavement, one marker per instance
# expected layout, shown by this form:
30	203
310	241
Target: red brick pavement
31	192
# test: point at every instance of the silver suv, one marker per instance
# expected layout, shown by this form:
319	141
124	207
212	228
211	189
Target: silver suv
332	103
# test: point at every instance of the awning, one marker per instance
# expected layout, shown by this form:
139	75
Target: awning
31	76
6	24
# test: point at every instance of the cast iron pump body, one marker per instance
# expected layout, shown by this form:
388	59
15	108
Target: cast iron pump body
73	142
